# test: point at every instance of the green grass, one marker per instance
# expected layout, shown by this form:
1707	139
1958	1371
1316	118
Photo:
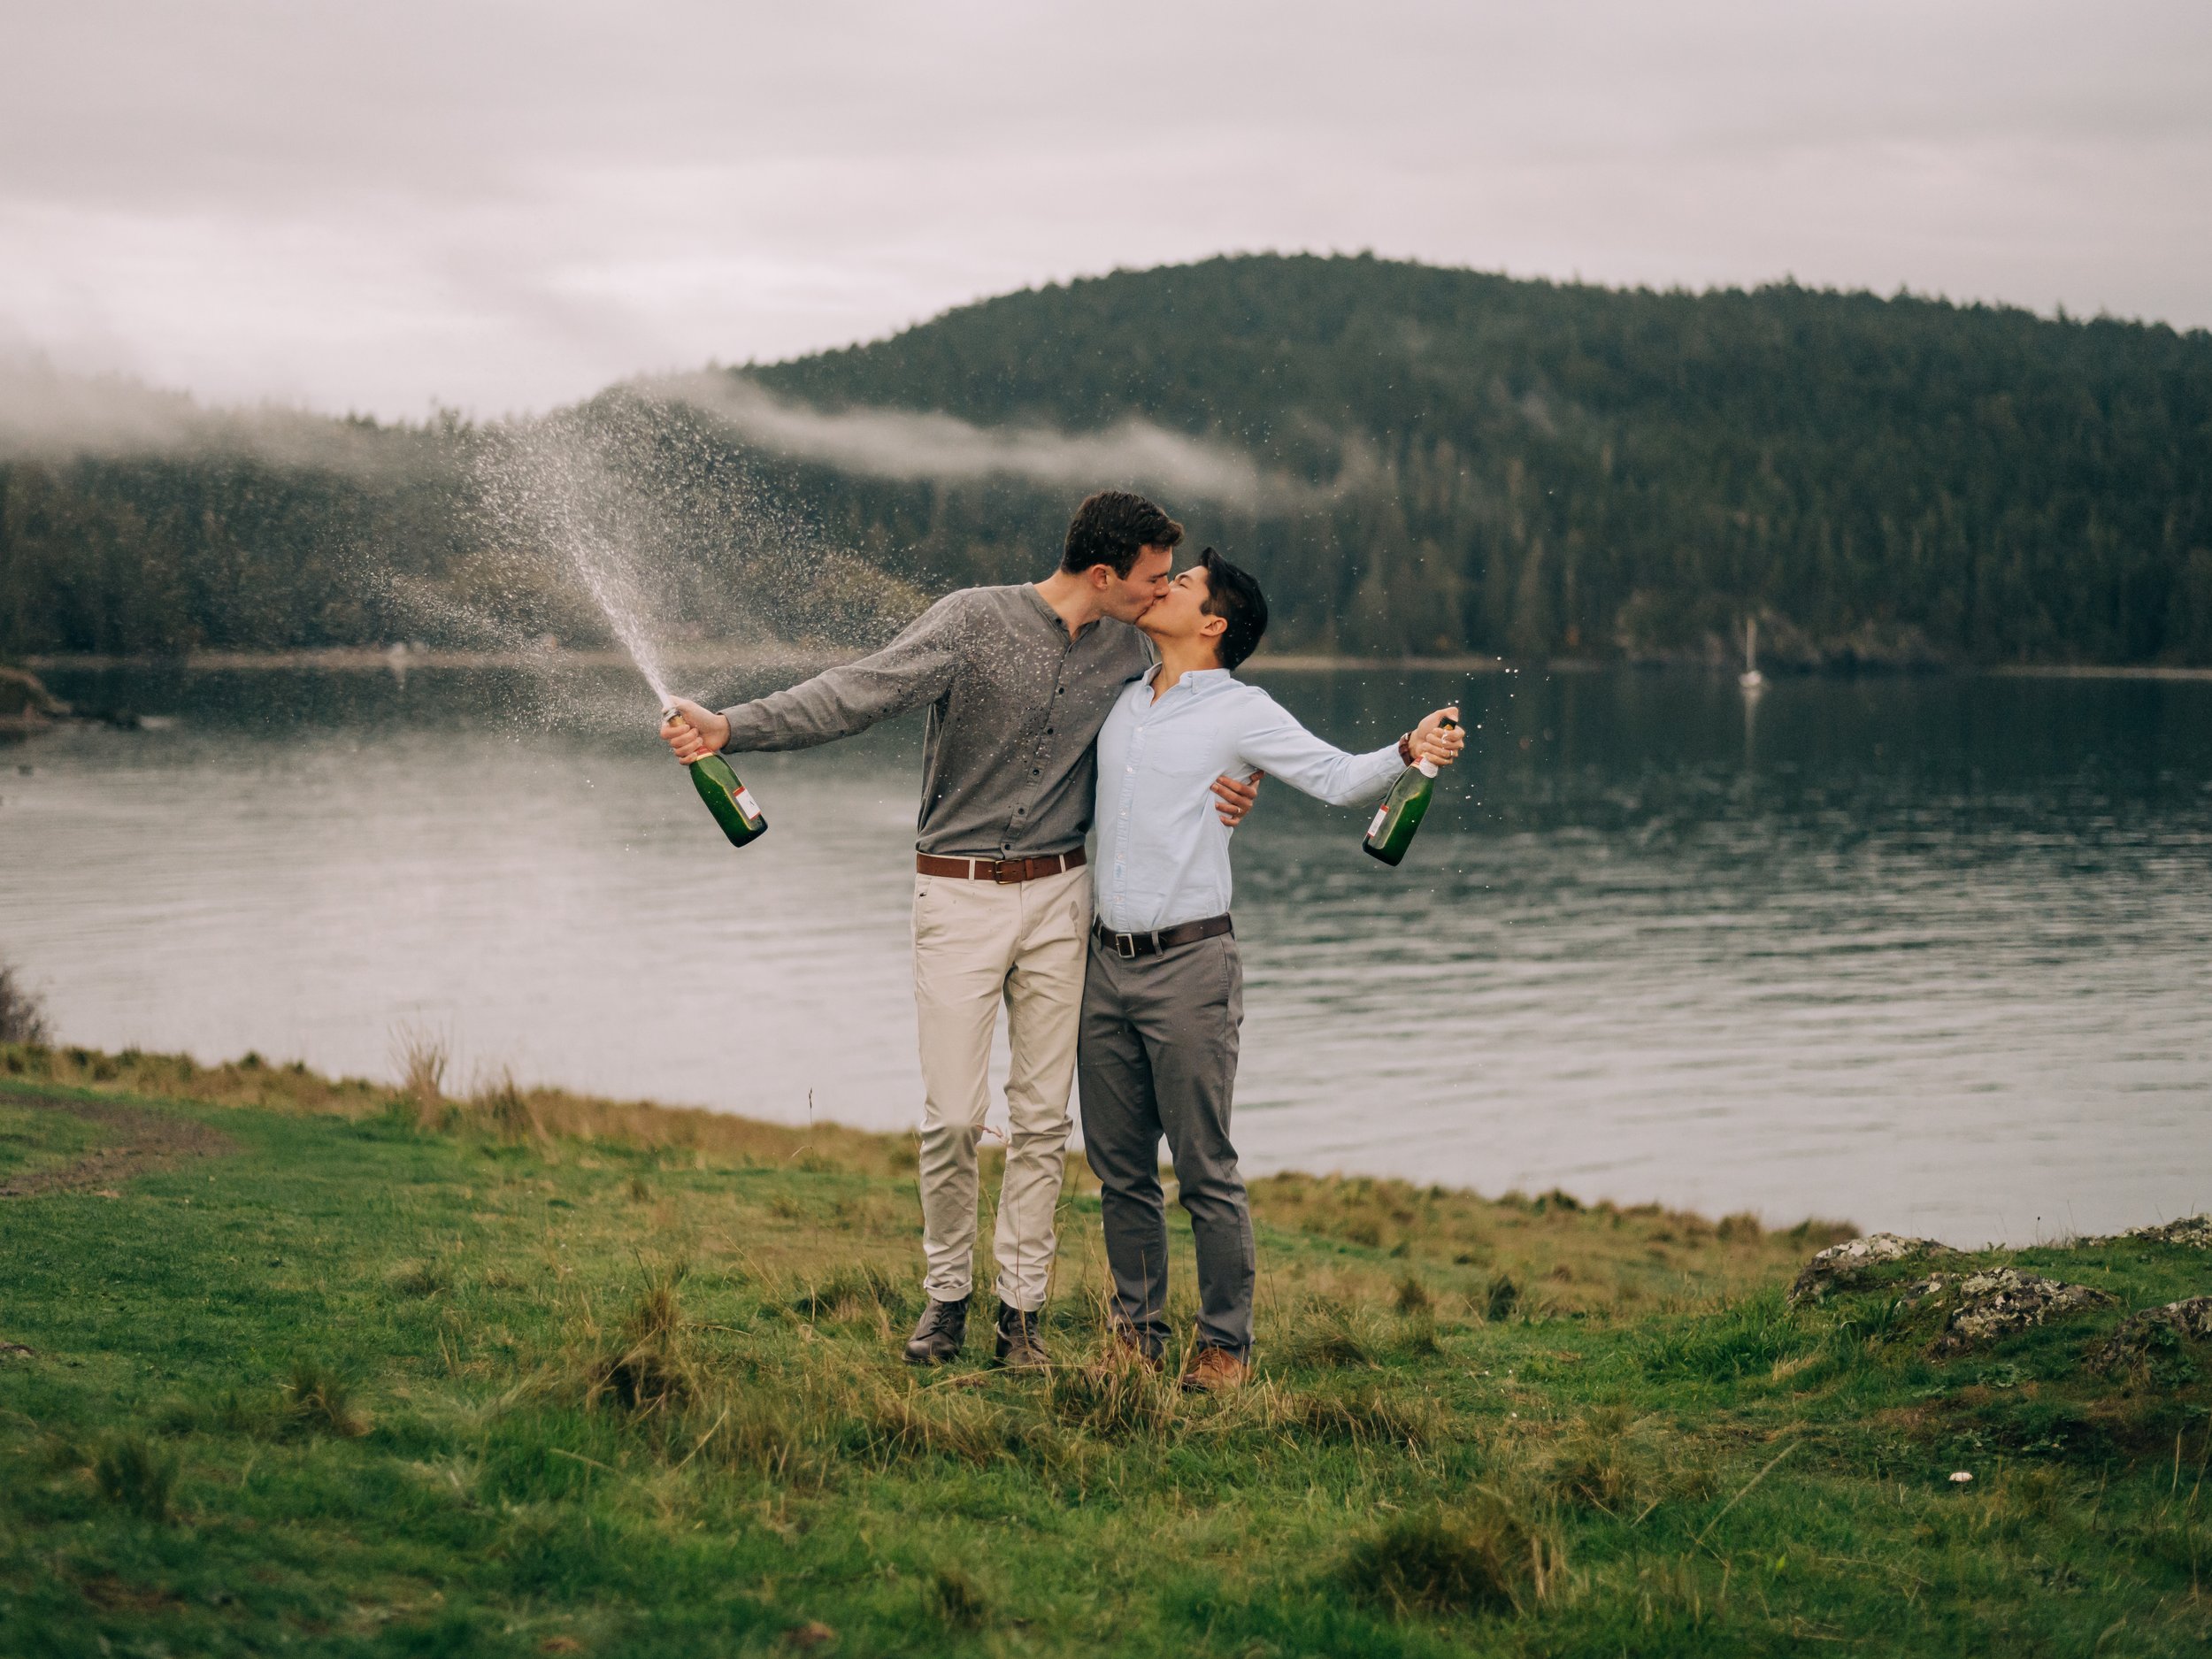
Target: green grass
33	1141
537	1374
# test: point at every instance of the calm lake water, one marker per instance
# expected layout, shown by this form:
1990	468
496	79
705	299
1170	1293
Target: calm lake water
1923	953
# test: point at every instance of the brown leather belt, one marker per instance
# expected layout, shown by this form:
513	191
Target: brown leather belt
1130	946
1002	870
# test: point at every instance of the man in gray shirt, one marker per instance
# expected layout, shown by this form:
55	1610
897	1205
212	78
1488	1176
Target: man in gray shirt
1017	681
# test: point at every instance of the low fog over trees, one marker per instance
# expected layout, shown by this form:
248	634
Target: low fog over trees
1449	462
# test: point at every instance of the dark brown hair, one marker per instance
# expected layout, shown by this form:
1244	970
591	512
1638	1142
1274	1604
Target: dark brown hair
1112	528
1234	596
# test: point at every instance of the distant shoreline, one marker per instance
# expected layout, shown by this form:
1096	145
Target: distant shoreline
2146	671
727	654
711	654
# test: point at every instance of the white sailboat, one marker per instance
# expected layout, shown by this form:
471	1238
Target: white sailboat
1751	679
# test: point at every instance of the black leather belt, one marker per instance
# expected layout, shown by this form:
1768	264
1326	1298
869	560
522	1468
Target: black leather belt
1130	946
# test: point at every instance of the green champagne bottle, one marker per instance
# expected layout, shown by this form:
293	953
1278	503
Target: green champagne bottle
730	801
1402	811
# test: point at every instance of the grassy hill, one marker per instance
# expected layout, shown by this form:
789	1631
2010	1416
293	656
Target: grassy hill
1473	462
290	1364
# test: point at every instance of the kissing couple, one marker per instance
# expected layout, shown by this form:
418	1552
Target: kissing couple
1104	697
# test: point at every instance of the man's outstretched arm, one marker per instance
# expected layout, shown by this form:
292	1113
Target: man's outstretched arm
915	668
1277	742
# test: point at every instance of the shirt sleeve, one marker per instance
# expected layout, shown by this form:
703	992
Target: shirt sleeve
1275	743
915	668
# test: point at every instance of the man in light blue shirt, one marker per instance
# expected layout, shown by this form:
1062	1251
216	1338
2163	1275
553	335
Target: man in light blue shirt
1165	991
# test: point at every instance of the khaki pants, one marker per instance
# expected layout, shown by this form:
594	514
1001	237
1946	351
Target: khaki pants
977	944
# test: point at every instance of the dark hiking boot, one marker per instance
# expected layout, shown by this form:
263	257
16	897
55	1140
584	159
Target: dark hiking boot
1020	1342
943	1328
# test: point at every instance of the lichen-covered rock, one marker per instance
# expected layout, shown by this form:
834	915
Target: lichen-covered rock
1840	1266
2191	1232
2195	1231
2190	1321
2004	1300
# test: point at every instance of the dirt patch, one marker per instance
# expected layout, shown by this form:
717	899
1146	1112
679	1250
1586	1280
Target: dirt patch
113	1593
139	1140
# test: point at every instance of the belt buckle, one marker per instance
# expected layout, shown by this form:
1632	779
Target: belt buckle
1000	866
1125	946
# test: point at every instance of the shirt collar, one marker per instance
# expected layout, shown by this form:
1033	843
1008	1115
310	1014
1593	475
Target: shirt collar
1052	617
1201	680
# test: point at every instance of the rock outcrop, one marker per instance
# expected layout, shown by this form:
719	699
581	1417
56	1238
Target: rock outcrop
2191	1232
1842	1266
2195	1232
2189	1321
2002	1301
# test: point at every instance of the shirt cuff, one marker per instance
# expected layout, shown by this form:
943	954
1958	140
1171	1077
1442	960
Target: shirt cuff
1405	749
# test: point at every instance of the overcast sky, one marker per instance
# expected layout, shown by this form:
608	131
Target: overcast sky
503	206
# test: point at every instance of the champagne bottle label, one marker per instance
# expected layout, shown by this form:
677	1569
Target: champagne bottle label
730	801
1381	812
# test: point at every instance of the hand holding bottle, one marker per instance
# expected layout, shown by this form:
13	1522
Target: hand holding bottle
697	735
1438	738
693	732
1434	743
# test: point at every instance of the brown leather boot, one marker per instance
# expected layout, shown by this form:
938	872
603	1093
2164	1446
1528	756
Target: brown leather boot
1215	1370
1124	1353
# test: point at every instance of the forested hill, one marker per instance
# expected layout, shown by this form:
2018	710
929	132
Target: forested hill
1578	469
1456	462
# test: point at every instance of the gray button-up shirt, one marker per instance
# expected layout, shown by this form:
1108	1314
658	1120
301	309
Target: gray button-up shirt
1009	768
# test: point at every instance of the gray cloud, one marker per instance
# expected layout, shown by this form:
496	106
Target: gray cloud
49	415
900	445
507	206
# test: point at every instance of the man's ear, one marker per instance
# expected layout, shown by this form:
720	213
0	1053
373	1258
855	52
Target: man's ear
1101	577
1212	627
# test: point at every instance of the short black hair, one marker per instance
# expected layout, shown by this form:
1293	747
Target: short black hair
1112	528
1234	596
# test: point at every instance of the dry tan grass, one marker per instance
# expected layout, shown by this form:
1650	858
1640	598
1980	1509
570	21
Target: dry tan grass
422	1057
255	1082
1451	1250
1556	1255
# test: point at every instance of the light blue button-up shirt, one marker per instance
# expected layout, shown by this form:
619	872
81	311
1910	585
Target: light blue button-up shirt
1163	850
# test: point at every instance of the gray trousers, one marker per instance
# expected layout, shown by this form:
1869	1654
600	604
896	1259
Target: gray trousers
1156	1056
